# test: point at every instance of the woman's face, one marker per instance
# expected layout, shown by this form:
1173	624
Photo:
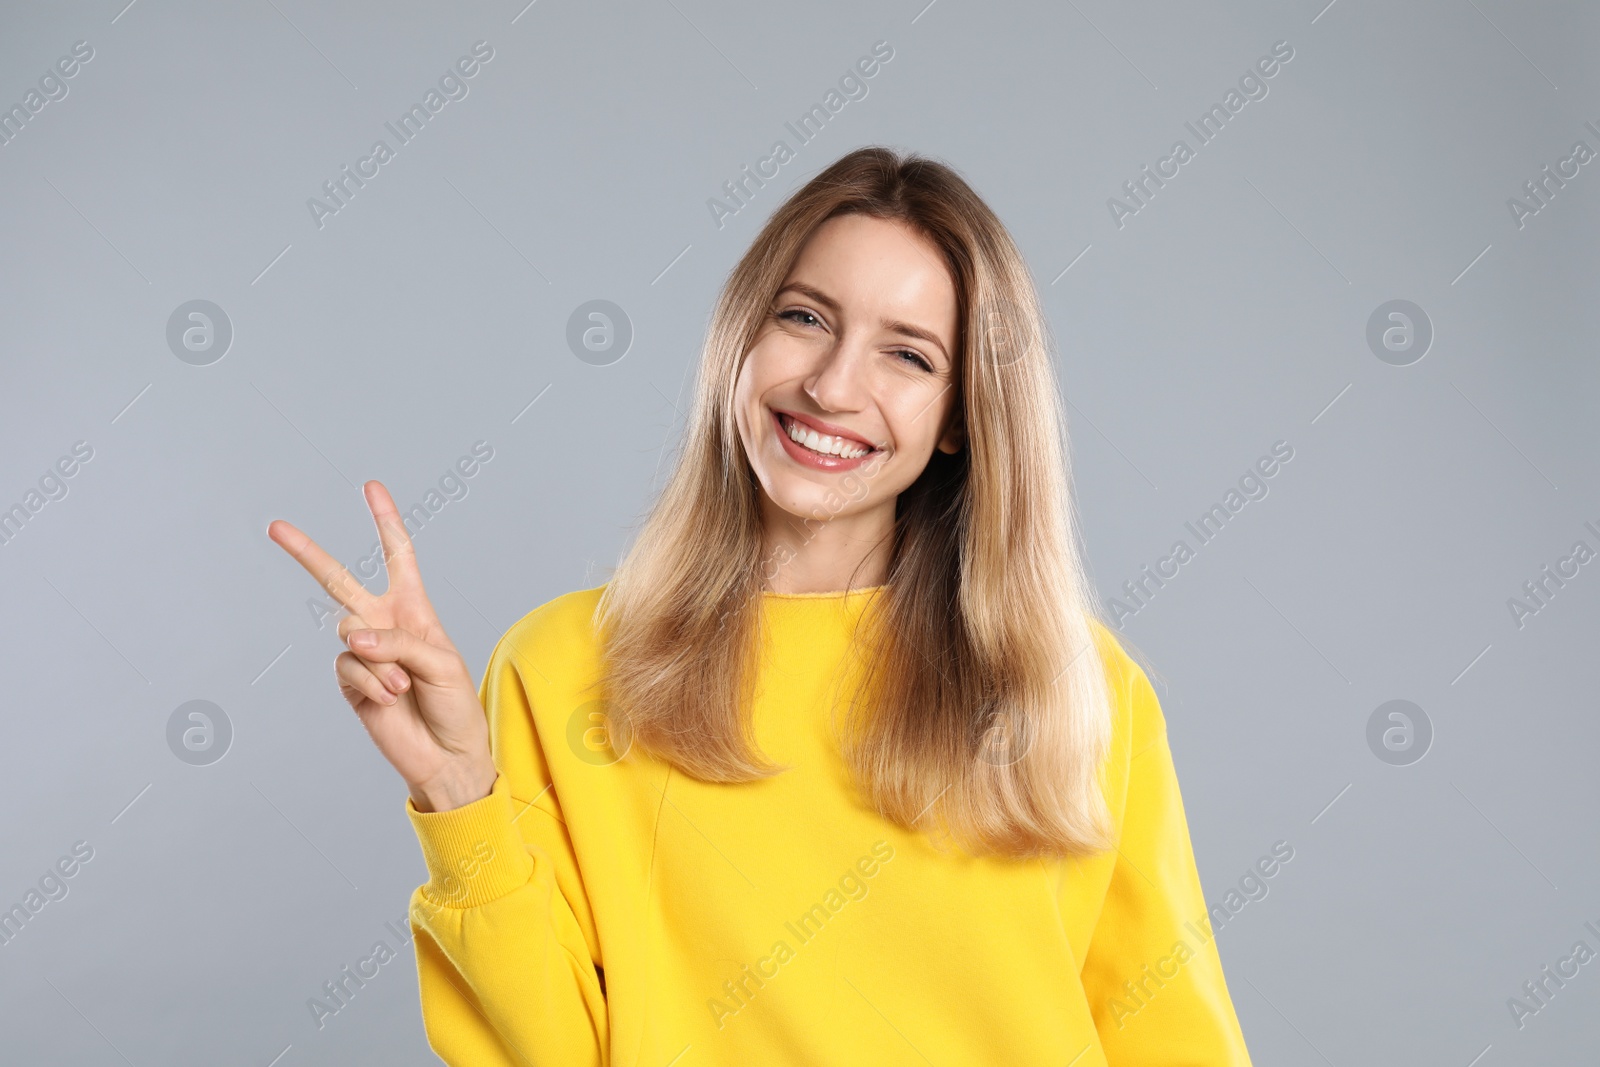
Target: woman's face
857	356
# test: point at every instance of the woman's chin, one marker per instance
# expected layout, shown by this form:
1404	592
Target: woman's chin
805	500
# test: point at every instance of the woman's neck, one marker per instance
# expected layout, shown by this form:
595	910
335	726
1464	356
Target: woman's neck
827	554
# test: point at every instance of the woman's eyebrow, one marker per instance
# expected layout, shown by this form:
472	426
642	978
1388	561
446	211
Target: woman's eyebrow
814	293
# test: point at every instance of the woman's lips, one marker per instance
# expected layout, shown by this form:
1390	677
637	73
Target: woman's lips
813	459
823	428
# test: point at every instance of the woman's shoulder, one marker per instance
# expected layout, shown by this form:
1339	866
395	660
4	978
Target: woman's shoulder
1135	707
560	627
1122	670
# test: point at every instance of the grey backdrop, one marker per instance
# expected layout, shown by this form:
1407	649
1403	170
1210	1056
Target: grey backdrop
1229	312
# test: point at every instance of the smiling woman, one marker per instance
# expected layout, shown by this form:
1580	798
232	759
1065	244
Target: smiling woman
856	619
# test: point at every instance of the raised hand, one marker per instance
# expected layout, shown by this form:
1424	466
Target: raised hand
406	681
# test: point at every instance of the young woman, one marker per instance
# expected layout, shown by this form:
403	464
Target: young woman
839	767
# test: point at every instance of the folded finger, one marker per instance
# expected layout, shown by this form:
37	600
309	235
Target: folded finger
355	676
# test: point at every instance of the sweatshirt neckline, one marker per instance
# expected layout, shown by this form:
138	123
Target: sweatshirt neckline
838	594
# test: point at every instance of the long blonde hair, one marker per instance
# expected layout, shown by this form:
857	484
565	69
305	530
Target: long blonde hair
984	707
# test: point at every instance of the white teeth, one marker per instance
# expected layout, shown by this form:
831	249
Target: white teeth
823	443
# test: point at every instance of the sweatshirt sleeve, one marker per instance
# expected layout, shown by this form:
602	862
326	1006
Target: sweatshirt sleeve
504	970
1152	972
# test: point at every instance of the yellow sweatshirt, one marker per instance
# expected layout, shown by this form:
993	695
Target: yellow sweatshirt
597	911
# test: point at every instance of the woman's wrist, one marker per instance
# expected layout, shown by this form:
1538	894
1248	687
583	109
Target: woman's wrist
455	789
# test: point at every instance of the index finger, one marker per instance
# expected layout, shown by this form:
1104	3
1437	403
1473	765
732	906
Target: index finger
329	572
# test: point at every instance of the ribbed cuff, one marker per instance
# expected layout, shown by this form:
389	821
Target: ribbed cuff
474	853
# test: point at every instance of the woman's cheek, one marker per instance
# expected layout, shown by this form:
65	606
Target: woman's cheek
913	424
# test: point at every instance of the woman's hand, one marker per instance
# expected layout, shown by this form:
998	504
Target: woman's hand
405	680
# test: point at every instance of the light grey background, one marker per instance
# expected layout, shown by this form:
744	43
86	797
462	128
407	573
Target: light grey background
1229	313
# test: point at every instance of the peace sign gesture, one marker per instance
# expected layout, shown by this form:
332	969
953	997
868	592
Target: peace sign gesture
405	680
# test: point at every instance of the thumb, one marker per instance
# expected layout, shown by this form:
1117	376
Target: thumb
424	662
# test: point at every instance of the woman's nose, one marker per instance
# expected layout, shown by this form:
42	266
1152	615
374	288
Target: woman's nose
837	383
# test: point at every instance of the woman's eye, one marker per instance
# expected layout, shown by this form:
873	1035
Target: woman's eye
912	357
800	315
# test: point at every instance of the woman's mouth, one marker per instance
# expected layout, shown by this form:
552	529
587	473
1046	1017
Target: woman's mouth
822	451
